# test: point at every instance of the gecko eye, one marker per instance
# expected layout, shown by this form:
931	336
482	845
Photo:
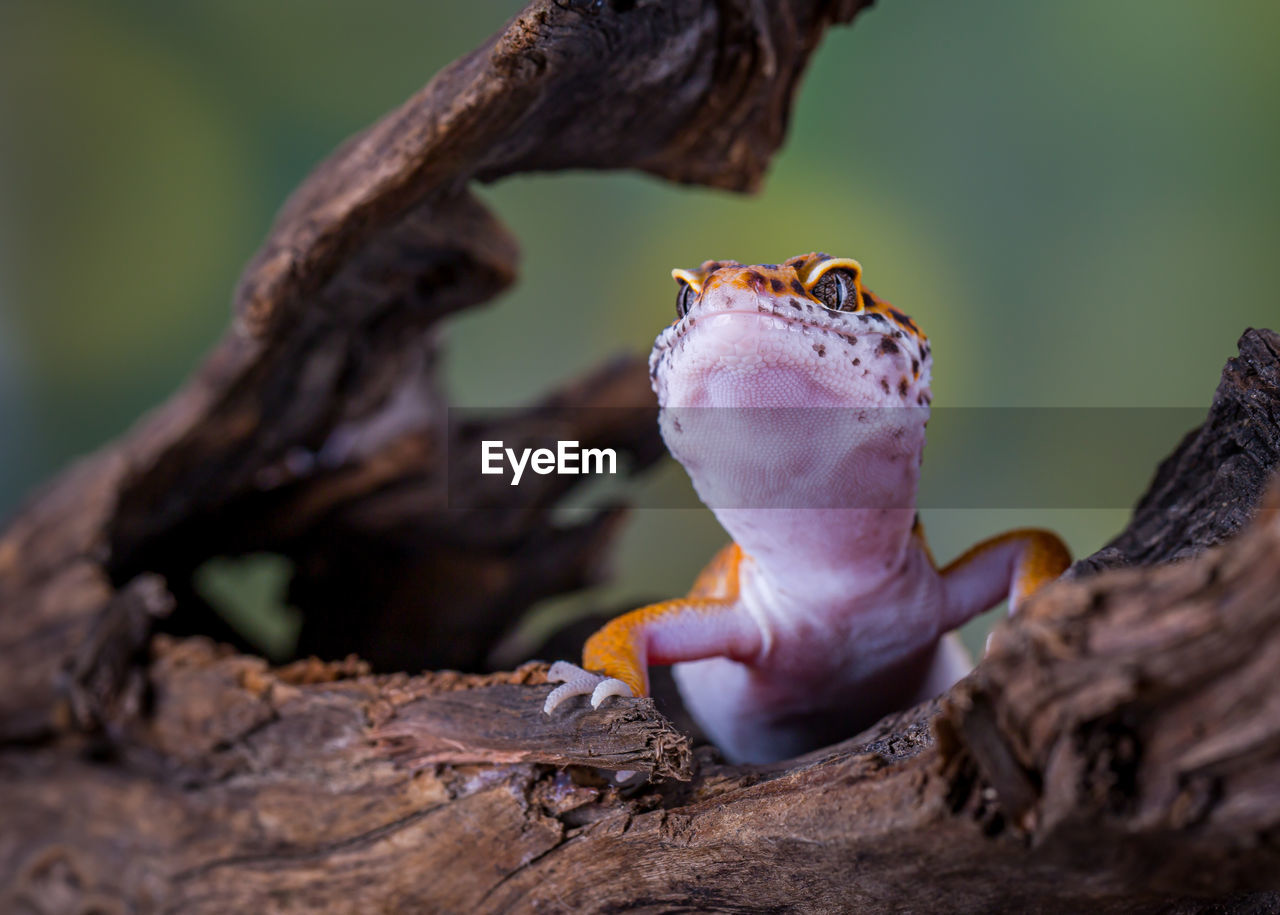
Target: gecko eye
684	299
837	290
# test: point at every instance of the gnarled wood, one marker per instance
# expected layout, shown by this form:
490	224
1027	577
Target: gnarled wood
316	429
1118	749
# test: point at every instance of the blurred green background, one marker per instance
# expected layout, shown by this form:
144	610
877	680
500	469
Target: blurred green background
1077	201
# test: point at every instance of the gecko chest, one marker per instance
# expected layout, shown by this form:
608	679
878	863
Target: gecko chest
843	627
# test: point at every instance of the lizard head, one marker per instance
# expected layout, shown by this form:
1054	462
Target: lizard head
804	333
822	388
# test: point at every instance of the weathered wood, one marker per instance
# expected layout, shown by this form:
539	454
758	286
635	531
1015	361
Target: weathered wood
316	428
1118	750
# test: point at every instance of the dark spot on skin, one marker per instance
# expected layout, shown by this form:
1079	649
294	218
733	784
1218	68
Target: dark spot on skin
876	316
676	423
769	266
795	261
915	367
887	347
797	287
898	334
755	281
820	349
857	361
796	305
867	300
920	400
902	386
776	284
902	319
884	385
714	266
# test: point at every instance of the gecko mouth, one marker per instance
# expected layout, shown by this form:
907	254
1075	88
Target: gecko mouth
793	321
857	357
869	324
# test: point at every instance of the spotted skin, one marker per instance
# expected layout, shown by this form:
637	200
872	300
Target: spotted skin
828	610
788	278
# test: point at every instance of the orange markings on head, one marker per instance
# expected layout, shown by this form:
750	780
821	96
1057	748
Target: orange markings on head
876	305
794	277
769	279
699	277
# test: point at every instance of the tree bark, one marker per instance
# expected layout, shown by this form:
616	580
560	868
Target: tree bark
1118	748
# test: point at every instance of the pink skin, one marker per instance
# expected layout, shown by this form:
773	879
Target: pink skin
849	605
802	428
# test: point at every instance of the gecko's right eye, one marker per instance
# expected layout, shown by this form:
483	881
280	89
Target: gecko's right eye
684	299
837	290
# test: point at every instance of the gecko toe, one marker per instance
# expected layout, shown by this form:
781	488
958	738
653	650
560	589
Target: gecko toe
609	687
558	695
566	672
575	682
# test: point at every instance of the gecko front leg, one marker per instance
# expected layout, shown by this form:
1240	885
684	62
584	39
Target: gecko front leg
616	659
708	622
1013	565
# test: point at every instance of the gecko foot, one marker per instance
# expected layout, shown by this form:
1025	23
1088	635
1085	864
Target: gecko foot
578	682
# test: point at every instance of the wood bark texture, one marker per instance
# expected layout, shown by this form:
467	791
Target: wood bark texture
1117	749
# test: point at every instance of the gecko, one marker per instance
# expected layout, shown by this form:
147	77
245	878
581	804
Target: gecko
796	400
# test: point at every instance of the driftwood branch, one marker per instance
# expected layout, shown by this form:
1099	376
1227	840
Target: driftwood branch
1118	748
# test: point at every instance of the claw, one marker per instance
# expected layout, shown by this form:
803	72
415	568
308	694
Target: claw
609	687
578	682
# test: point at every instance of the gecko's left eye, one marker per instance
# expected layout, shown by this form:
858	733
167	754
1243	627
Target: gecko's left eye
837	290
684	299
